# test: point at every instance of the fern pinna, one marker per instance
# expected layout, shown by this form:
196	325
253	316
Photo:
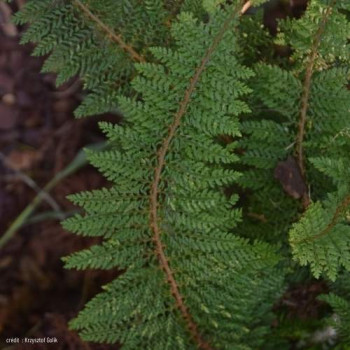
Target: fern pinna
213	111
81	43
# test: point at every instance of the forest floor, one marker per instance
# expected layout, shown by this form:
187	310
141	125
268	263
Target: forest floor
39	137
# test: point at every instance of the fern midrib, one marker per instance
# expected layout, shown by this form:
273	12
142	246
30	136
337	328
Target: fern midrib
154	192
306	97
117	38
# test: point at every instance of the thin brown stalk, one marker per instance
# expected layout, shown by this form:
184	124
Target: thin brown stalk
117	38
154	193
306	96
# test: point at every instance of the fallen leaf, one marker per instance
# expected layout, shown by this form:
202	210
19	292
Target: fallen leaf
288	174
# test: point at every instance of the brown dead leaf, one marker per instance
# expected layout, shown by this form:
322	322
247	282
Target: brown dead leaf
289	175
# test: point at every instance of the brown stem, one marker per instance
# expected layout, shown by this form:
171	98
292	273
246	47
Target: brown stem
154	192
117	38
306	96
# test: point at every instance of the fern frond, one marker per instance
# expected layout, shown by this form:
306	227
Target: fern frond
323	46
167	214
308	98
221	132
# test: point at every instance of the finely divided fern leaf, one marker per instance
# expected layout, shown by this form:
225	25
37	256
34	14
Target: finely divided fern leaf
166	219
211	110
322	238
97	40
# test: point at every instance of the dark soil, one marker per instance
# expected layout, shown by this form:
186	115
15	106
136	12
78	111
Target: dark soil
39	137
